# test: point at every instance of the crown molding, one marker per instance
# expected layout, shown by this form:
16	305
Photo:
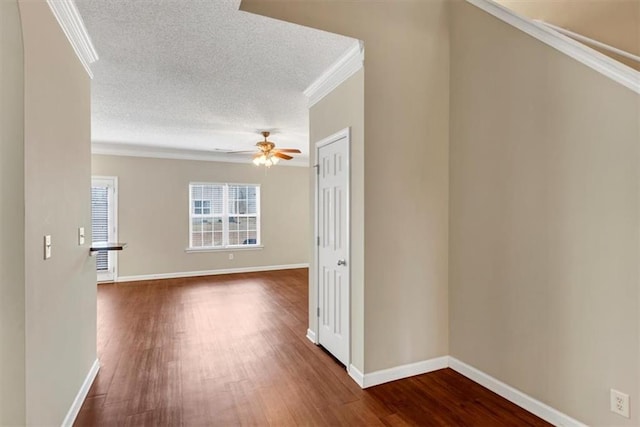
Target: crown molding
134	150
593	59
70	21
350	62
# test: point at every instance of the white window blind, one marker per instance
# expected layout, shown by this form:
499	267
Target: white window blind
224	215
100	223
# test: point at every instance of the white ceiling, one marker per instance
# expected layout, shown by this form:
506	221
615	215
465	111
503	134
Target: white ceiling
201	75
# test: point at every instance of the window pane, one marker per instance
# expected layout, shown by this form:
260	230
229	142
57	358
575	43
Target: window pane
234	238
196	192
100	214
252	200
217	238
233	191
196	232
252	223
252	206
216	199
207	239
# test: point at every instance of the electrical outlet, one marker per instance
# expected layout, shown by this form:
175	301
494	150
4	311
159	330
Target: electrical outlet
619	403
230	256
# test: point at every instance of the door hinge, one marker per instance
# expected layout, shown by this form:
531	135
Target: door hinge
317	169
318	311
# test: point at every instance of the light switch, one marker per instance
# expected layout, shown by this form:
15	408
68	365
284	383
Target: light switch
47	246
81	236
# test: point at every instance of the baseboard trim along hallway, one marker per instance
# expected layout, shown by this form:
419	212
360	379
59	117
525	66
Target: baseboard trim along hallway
179	275
398	372
513	395
82	394
311	336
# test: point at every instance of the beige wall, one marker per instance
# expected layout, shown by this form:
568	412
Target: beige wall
405	167
12	394
342	108
153	213
61	291
544	283
614	22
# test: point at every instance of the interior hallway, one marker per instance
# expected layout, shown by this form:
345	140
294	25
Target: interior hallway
231	350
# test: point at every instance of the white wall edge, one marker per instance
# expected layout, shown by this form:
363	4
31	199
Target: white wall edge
131	150
595	60
182	274
515	396
82	394
346	66
311	336
398	372
72	25
356	375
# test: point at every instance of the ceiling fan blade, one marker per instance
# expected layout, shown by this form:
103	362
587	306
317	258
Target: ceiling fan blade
255	156
240	152
282	156
289	150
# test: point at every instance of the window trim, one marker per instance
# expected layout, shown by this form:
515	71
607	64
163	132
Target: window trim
225	218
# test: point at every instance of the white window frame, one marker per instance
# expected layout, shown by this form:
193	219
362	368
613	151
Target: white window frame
225	219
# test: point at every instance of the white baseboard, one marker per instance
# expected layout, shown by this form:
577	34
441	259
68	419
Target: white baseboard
513	395
311	336
82	394
398	372
356	375
209	272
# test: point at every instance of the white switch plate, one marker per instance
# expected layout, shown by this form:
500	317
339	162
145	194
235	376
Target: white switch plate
81	236
620	403
47	246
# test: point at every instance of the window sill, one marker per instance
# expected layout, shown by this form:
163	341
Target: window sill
226	249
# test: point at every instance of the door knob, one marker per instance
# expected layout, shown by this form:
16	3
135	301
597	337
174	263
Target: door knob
342	262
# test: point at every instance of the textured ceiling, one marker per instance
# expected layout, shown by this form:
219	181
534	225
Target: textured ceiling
201	75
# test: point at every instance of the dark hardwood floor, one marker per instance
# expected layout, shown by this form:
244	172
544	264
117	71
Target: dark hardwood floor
231	350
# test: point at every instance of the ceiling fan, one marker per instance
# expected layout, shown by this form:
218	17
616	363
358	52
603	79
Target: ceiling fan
269	155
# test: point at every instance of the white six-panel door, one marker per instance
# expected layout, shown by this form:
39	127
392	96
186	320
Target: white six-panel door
333	245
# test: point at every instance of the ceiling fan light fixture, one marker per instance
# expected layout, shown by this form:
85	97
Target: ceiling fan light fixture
267	159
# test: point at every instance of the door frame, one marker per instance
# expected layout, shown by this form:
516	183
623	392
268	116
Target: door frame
342	134
113	255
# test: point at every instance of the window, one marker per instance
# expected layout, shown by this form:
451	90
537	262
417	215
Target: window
223	215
